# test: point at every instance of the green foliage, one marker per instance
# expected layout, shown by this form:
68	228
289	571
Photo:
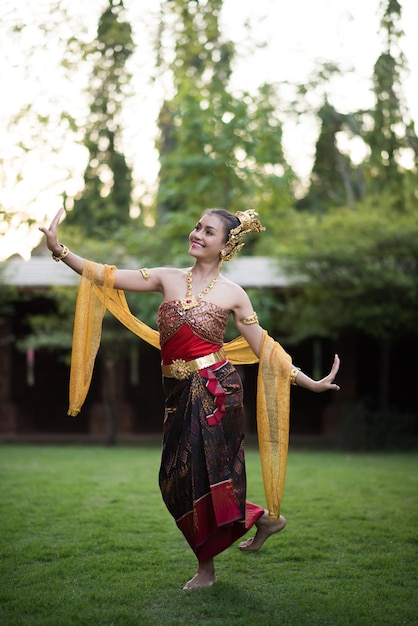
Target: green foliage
53	331
364	428
8	295
354	270
270	306
388	128
216	148
104	204
335	180
103	208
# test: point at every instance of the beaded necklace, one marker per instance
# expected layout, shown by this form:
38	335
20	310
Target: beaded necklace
190	300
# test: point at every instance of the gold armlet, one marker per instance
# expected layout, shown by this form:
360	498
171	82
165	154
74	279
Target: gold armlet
293	373
145	273
251	319
62	255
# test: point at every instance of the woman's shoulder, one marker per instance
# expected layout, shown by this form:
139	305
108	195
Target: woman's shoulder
230	284
235	291
172	280
170	272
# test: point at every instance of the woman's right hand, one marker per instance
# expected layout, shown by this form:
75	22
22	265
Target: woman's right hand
51	233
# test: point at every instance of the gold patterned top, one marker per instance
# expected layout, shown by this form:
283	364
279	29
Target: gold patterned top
206	320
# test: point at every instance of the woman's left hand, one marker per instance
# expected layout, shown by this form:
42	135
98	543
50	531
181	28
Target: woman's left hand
327	383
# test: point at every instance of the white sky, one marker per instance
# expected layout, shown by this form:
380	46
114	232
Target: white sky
298	34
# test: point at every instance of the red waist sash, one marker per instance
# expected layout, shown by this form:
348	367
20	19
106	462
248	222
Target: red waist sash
184	344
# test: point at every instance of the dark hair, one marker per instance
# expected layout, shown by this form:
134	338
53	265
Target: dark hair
229	220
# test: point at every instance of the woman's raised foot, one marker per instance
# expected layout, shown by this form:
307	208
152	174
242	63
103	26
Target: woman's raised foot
265	529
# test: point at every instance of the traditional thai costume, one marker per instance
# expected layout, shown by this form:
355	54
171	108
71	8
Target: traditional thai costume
202	475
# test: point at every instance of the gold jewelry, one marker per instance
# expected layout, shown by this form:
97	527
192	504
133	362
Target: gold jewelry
249	222
182	369
190	300
251	319
293	373
145	273
62	255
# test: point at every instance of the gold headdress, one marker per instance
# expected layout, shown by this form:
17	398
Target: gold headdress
249	222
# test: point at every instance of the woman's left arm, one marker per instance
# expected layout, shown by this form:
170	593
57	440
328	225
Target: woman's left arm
248	326
318	386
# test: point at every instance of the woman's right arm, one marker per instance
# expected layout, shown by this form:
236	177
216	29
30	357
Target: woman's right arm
127	280
51	235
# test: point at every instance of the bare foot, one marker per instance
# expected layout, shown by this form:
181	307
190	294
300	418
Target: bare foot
265	529
199	581
205	576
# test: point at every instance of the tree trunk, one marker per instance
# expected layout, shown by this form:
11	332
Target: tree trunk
383	399
110	403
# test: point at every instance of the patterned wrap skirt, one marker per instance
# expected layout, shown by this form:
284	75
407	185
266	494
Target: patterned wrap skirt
202	474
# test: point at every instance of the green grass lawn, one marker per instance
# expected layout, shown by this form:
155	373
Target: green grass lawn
86	539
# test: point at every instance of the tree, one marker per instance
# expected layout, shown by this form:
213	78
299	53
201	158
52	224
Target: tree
102	210
103	206
388	128
354	264
216	148
355	270
334	180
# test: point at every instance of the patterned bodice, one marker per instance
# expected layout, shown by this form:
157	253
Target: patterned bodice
207	321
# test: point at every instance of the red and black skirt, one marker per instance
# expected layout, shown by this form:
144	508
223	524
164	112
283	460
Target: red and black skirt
202	475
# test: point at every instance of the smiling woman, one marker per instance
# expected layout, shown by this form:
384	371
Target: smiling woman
202	474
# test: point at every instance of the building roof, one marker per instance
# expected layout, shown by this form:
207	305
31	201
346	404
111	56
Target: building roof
37	272
41	272
255	271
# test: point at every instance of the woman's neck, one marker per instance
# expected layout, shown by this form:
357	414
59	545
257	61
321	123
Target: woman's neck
203	271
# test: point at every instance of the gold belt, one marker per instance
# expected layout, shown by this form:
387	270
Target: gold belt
182	369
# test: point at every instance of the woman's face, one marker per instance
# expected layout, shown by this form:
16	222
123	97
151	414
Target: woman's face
208	236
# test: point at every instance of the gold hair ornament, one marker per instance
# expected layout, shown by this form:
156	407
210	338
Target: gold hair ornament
249	222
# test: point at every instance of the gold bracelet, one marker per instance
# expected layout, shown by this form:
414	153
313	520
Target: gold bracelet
62	255
145	273
293	373
251	319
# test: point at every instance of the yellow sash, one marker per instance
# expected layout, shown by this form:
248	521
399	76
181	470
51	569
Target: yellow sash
96	294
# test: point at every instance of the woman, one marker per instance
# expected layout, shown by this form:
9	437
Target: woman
202	474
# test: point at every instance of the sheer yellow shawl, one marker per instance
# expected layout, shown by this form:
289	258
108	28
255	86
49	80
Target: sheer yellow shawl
96	294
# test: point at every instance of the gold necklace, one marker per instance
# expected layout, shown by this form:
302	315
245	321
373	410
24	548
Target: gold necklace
190	300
